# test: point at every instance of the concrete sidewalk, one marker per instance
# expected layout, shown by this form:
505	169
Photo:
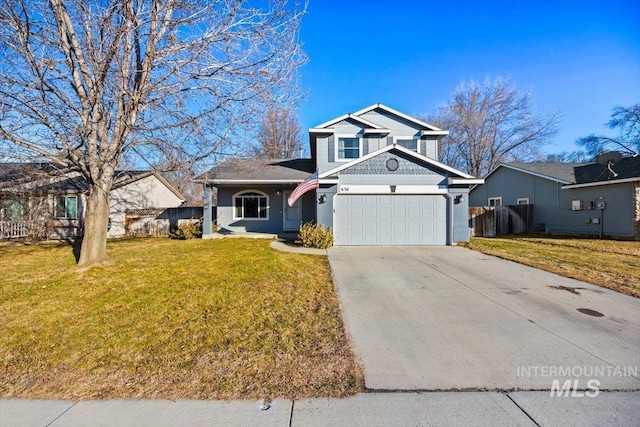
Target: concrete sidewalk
369	409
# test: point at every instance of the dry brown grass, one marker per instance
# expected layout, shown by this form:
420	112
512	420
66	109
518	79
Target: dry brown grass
200	319
608	263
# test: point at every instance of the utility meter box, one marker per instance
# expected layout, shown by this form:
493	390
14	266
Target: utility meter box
576	205
601	204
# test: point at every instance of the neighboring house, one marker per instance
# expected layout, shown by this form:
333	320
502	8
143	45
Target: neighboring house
567	197
379	183
42	200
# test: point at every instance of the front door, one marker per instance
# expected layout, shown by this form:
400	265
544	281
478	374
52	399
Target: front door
291	215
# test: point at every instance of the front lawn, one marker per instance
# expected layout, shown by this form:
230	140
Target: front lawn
608	263
200	319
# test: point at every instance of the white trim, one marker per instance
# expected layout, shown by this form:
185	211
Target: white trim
403	150
248	190
434	132
328	181
494	198
376	131
336	145
386	189
525	199
399	114
465	181
255	181
597	183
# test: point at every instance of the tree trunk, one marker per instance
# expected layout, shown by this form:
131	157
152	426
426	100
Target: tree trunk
96	218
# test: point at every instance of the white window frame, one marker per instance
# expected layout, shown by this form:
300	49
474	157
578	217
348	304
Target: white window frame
407	138
239	194
494	199
336	143
55	206
522	199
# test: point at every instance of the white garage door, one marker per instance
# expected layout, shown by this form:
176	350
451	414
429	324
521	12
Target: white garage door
398	219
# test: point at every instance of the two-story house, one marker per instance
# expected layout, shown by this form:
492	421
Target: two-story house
379	184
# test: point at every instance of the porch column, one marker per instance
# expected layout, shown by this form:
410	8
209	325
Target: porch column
207	227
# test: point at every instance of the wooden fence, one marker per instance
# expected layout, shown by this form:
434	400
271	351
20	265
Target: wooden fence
491	221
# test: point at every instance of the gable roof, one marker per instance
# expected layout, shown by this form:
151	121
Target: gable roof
50	177
559	172
410	154
575	175
428	129
399	114
247	171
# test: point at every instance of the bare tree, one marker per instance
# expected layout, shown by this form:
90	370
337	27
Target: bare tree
85	84
489	124
279	136
578	156
626	120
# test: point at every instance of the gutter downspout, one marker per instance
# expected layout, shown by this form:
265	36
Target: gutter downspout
450	220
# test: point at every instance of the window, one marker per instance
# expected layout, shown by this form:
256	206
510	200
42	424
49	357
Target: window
11	210
523	201
495	201
250	205
348	148
409	144
66	207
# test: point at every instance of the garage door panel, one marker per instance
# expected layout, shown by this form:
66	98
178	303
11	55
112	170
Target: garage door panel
390	219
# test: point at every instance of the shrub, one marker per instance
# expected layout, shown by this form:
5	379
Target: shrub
188	230
315	236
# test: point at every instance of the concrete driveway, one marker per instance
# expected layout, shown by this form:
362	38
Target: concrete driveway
448	318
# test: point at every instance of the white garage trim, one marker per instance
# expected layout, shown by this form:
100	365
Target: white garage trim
391	189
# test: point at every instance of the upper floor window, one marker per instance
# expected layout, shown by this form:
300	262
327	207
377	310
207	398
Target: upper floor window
66	207
409	144
523	201
348	148
250	205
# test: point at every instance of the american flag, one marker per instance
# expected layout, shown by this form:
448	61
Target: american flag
311	183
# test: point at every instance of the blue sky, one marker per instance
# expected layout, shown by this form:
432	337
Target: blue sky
581	58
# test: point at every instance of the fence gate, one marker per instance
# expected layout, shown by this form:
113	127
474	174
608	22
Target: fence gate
490	221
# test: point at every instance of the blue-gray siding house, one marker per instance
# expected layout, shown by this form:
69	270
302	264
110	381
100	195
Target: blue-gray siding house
569	198
379	184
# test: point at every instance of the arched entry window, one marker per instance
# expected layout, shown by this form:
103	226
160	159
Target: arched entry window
250	204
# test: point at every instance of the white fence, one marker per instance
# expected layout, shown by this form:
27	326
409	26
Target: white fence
14	229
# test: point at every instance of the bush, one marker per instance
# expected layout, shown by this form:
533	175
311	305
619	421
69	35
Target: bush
315	236
188	230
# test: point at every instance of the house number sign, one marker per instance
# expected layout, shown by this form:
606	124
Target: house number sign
344	189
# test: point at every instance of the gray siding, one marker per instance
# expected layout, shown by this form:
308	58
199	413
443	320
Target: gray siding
274	223
552	204
396	125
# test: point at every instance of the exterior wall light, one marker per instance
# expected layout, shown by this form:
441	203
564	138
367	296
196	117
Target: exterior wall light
322	198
